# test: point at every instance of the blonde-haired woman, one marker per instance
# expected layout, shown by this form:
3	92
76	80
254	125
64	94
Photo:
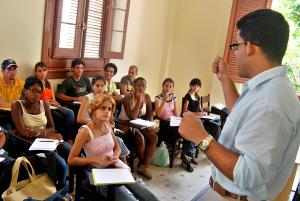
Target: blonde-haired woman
100	145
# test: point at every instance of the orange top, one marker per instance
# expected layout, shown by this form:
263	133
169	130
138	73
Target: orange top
47	94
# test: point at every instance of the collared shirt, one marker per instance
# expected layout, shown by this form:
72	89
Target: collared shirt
127	82
10	94
264	129
111	87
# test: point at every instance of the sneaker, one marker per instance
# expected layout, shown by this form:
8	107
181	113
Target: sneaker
144	172
186	166
193	160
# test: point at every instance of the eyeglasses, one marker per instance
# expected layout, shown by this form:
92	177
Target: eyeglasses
35	91
235	46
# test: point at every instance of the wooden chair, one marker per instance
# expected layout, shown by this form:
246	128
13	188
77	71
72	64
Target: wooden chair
205	103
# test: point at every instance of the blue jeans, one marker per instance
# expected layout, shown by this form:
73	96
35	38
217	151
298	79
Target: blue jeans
61	158
188	148
64	121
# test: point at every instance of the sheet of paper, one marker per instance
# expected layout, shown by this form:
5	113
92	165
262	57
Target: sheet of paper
142	122
76	102
211	117
106	176
2	151
44	144
53	107
1	159
220	106
175	121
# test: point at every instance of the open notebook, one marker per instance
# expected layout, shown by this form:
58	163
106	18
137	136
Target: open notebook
108	176
44	144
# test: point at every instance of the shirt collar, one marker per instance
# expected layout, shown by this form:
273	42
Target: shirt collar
266	75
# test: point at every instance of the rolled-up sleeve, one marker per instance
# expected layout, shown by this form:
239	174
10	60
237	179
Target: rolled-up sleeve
261	142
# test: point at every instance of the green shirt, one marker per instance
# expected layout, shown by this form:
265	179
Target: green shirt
73	88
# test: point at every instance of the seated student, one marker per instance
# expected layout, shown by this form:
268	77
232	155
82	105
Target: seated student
10	88
165	107
98	87
126	83
63	117
138	105
100	145
192	104
75	87
32	118
111	70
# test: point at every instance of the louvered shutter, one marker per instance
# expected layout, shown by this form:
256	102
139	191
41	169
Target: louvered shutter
94	31
239	9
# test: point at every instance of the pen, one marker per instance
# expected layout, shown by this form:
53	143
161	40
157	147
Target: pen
46	141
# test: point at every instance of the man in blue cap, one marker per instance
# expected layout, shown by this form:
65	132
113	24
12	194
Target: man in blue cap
10	86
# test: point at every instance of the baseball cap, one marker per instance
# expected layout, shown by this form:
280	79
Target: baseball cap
8	63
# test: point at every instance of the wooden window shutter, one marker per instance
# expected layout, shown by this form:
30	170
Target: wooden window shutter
117	17
238	10
69	27
93	36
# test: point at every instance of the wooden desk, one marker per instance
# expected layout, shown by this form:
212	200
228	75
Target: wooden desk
127	123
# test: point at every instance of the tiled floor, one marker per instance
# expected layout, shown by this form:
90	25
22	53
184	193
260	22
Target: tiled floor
176	184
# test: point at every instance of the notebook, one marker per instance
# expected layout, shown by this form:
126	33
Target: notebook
144	123
108	176
44	144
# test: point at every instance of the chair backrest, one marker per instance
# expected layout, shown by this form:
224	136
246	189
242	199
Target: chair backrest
205	103
182	104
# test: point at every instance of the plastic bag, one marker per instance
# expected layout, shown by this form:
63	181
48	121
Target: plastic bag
161	156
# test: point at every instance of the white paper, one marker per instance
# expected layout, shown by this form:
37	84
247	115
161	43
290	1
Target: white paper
175	121
44	144
2	151
106	176
220	106
1	159
53	107
143	123
76	102
211	117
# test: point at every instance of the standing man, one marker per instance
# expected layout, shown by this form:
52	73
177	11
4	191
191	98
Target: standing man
259	142
110	70
75	87
126	84
10	86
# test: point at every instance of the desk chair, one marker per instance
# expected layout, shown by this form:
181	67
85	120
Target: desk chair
205	103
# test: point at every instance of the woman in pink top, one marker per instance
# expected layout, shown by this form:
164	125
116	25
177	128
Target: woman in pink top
101	147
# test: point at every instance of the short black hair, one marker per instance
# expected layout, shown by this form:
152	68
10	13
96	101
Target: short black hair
138	79
195	81
267	29
76	62
112	65
31	80
98	77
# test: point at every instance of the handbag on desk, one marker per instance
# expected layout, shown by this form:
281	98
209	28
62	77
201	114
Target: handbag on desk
36	186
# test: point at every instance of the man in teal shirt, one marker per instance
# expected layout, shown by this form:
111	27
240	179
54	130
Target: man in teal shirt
259	142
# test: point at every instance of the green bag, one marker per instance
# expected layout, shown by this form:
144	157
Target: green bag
161	156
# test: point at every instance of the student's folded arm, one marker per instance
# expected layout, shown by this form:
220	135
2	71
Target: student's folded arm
159	107
82	110
131	113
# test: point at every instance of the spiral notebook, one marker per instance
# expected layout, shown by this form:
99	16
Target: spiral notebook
108	176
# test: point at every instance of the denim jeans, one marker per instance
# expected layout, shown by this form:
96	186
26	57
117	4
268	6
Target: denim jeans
61	158
64	121
188	148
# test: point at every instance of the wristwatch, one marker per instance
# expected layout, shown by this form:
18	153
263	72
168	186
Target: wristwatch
204	144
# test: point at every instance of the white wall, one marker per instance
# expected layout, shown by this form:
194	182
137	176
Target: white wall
165	38
21	33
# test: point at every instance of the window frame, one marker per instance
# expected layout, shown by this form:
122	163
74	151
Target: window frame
238	9
60	67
